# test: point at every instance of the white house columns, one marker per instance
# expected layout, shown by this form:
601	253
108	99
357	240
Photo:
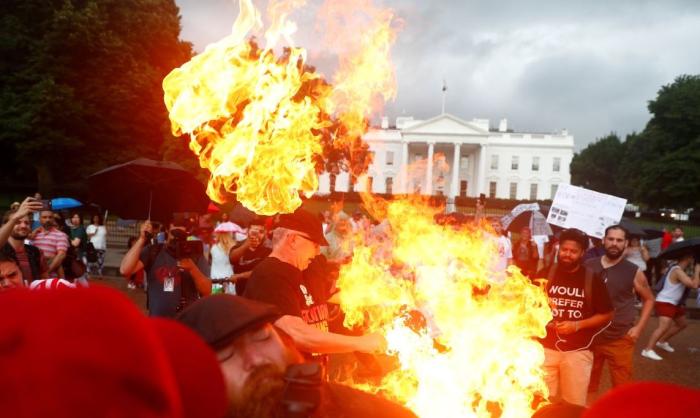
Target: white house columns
429	170
481	169
404	168
454	188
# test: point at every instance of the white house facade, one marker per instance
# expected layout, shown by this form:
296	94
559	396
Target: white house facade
449	156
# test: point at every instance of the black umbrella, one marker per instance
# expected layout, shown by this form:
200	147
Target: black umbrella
653	233
149	189
632	228
679	249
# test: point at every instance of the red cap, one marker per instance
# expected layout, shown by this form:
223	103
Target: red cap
81	353
647	400
197	371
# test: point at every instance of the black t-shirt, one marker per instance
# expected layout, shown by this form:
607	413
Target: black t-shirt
283	285
566	291
340	401
168	287
247	262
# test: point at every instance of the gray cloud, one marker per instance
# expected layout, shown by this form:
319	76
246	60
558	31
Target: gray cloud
588	66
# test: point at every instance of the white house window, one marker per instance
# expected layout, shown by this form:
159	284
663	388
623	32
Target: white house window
535	163
463	163
533	191
494	162
463	188
556	164
515	162
389	185
370	182
492	189
390	158
553	190
513	191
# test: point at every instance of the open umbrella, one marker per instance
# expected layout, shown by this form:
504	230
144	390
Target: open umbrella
61	203
653	233
529	215
632	228
148	189
678	249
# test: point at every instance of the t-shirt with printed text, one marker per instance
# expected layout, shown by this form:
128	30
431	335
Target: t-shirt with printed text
567	293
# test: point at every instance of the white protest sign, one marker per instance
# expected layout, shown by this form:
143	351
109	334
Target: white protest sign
589	211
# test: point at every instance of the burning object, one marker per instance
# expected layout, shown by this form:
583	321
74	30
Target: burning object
262	121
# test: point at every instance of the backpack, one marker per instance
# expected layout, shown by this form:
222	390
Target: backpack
658	286
90	253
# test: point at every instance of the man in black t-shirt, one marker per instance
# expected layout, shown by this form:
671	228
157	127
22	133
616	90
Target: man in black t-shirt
582	309
248	255
279	281
172	283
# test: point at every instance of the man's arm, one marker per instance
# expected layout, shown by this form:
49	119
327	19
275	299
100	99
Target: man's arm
595	321
57	261
131	262
641	286
311	339
693	283
201	282
28	206
235	254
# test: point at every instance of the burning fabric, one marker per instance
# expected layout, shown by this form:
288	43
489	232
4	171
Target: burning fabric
262	123
465	343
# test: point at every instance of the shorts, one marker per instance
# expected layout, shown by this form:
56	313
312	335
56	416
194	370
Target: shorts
669	310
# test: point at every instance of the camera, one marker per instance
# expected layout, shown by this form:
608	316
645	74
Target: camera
302	392
182	248
46	204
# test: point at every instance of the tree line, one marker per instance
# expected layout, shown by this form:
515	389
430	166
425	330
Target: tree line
658	167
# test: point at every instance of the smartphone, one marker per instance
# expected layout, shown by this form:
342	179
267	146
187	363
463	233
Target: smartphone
46	204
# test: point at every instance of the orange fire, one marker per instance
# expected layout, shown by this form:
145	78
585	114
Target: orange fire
258	120
462	332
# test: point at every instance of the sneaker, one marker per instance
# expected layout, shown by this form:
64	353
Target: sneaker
665	346
651	354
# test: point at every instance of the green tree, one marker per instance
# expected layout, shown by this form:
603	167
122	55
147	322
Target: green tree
596	167
80	84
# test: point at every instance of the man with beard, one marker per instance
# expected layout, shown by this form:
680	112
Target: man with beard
623	279
172	283
581	308
255	358
15	230
52	242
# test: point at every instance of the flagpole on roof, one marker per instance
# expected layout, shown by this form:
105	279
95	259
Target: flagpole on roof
444	95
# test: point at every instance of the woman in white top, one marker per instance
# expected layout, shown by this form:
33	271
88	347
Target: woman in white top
220	264
669	306
97	234
637	254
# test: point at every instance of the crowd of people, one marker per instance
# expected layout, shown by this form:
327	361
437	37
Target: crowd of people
49	250
262	298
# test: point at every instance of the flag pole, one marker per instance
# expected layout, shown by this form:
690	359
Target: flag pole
444	95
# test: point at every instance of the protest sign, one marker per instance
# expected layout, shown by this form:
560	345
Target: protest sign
587	210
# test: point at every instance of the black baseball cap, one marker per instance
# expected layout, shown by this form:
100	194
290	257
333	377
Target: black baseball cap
303	221
220	319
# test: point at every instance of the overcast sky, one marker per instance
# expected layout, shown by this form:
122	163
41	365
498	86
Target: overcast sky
588	66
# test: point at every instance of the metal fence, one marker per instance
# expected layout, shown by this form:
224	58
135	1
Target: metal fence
118	234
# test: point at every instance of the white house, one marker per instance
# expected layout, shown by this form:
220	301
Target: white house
449	156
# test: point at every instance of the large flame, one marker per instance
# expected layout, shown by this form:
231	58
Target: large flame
463	334
258	120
